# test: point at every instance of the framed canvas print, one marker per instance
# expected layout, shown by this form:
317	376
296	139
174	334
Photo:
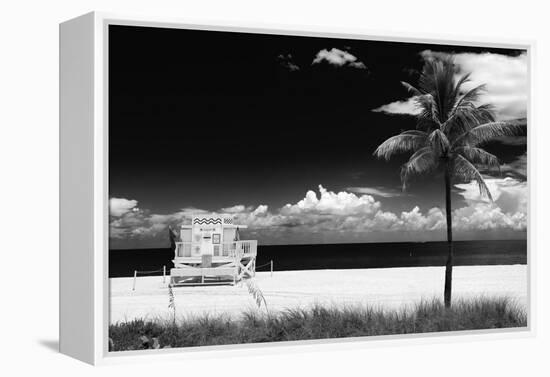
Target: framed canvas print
249	187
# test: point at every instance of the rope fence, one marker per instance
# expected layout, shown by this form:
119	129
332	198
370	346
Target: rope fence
136	272
263	265
149	272
266	264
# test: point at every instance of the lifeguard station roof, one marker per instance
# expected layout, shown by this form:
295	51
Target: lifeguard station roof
209	219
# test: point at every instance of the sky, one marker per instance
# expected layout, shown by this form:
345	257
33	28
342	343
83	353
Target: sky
280	132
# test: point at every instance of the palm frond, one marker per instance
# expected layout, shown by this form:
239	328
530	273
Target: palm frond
465	104
411	88
437	79
467	118
439	142
470	97
422	161
487	132
407	141
479	156
459	83
428	117
465	171
485	113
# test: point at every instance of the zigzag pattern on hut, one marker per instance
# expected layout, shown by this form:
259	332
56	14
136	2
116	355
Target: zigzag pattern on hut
207	221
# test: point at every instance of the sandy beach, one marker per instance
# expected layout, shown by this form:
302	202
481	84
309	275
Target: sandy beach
387	288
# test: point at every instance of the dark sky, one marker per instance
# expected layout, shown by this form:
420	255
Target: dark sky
209	119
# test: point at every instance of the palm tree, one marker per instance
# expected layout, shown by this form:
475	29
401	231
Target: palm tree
451	129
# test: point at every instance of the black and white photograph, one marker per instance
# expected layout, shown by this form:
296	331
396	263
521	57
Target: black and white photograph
270	187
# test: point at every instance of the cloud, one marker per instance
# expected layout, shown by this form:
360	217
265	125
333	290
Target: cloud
516	168
350	215
406	107
507	211
348	212
120	206
338	58
235	209
376	191
287	62
506	78
142	224
330	203
508	193
483	216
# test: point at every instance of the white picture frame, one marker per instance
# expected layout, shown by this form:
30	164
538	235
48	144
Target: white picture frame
84	176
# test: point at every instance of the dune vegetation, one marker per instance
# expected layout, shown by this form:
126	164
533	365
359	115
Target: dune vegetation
316	322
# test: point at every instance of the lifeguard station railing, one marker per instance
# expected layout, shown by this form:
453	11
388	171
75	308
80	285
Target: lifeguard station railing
243	248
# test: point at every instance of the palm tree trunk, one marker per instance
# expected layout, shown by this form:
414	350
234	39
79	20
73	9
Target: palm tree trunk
449	264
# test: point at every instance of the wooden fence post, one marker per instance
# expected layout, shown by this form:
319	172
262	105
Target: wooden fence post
135	275
163	274
271	268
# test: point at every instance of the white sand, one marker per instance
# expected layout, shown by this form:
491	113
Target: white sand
386	287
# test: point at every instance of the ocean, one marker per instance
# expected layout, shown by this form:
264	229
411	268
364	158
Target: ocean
122	263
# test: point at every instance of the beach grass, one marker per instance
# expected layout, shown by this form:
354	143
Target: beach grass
316	322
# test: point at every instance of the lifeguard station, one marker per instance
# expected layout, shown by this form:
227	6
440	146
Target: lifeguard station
210	251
